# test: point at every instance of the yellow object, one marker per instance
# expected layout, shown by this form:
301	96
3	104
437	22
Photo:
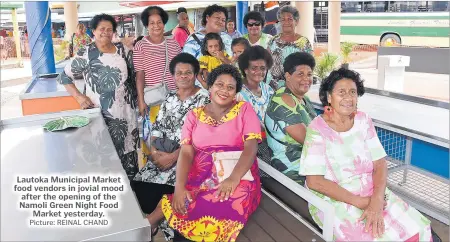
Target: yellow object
154	113
145	150
210	62
17	37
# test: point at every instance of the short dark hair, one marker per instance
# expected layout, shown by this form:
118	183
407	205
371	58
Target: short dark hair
211	9
152	10
297	59
255	16
225	69
211	36
186	59
103	17
241	41
329	82
254	53
181	10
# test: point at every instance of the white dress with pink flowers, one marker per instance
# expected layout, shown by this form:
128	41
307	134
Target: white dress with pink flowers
346	158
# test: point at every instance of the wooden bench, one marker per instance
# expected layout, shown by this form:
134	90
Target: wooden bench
273	221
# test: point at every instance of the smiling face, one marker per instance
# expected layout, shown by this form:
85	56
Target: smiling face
344	97
223	90
301	80
254	27
288	23
216	22
184	76
155	25
256	71
104	32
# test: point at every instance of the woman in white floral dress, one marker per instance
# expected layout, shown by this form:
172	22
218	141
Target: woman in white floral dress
107	70
344	164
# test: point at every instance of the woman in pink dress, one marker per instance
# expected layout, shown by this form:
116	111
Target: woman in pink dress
345	165
202	208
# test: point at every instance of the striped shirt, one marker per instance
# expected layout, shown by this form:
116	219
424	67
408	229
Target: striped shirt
150	58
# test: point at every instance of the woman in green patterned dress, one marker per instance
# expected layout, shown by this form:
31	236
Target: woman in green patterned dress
110	85
288	114
284	44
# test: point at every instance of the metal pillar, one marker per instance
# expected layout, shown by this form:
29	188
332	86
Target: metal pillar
39	22
17	37
241	10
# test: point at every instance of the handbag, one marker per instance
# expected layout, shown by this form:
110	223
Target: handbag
156	94
165	145
225	163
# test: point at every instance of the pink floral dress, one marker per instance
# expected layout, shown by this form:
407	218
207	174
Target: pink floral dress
346	158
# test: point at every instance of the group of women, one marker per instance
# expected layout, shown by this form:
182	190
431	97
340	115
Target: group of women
201	182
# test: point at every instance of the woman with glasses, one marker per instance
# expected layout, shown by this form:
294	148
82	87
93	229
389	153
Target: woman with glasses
213	20
289	113
284	44
254	22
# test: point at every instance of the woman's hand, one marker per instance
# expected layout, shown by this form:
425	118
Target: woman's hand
234	59
164	160
181	198
143	108
84	101
373	215
226	189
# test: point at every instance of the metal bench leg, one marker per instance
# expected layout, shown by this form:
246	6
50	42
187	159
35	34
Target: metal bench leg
408	152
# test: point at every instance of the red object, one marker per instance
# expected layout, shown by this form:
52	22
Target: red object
145	3
263	134
414	238
328	110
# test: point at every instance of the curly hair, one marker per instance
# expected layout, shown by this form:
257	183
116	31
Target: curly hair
288	9
329	82
211	36
103	17
210	10
297	59
154	10
254	53
225	69
255	16
186	59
